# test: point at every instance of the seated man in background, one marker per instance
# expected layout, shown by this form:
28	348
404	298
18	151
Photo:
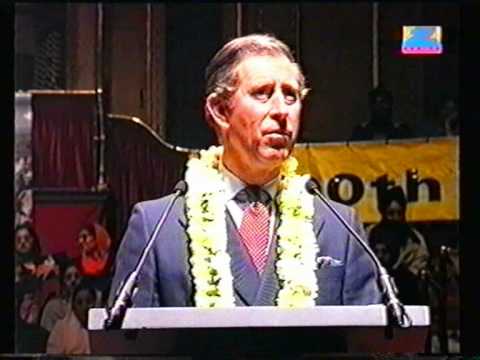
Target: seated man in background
402	249
247	232
381	125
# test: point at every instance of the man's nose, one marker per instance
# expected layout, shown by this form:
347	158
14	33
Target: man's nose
279	109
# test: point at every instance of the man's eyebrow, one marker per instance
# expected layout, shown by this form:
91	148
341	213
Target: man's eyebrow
259	82
267	82
292	86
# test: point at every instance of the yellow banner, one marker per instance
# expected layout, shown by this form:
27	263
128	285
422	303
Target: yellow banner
355	173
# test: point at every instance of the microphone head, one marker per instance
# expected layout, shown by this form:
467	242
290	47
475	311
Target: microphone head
181	187
312	185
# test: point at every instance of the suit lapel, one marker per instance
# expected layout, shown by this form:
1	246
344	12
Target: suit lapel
318	219
269	284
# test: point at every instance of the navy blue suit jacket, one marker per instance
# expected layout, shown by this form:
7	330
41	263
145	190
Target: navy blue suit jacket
165	280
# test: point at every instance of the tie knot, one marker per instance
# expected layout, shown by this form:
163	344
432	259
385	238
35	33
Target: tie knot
253	194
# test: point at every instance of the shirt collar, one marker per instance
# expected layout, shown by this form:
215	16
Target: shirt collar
233	184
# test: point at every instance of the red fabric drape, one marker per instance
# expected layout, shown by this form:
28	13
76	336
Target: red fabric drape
138	167
59	216
62	239
63	143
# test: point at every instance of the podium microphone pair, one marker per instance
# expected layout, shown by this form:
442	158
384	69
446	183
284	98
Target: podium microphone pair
116	312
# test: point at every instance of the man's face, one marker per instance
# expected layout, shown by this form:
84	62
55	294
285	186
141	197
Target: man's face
383	254
382	109
395	212
86	241
449	109
72	277
264	113
23	241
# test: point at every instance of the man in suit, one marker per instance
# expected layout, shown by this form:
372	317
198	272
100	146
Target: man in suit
247	232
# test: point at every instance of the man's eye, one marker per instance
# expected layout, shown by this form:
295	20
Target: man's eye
291	97
262	95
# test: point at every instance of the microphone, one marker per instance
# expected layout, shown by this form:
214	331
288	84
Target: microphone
116	312
389	290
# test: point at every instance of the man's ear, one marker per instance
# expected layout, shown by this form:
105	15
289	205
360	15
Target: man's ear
218	110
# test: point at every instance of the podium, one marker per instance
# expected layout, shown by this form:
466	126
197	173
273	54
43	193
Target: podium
258	330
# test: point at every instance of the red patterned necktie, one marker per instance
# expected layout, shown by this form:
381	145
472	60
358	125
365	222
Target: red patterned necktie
255	225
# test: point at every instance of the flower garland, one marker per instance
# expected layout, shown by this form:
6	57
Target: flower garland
297	245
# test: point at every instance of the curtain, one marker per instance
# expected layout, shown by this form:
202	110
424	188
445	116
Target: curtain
138	167
63	142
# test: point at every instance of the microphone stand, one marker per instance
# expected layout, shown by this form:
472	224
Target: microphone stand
396	310
116	312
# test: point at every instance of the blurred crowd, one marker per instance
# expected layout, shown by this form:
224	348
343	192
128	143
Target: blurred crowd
382	124
54	292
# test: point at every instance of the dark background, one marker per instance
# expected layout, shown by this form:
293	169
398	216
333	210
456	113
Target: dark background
154	56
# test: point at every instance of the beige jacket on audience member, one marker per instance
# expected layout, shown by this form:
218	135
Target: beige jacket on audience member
68	337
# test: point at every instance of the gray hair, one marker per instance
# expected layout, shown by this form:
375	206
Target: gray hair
220	76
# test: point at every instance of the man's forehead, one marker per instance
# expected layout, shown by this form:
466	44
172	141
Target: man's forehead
258	68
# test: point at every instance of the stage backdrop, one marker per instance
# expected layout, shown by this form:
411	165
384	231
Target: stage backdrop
356	174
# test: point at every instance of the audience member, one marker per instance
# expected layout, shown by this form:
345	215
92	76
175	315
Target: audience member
30	336
400	247
95	261
69	335
380	126
445	299
57	307
444	122
448	116
28	259
23	207
23	173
